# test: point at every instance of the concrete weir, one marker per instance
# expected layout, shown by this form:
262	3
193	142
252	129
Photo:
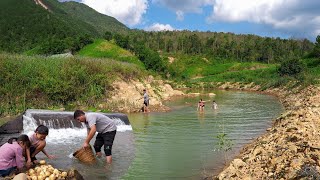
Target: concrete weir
31	118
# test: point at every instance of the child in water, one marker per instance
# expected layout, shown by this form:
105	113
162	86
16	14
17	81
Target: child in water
214	105
200	105
11	154
38	143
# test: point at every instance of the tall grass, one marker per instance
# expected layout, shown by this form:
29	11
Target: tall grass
40	82
105	49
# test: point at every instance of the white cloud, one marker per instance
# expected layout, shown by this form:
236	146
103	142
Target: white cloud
129	12
181	7
291	16
180	15
159	27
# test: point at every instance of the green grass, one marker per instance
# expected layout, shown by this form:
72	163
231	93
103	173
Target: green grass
195	70
41	82
105	49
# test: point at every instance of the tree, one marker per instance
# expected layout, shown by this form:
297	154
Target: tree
316	49
291	67
122	41
107	35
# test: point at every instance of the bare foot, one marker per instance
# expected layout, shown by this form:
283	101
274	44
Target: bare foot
98	154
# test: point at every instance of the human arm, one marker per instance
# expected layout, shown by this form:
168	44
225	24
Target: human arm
88	130
28	156
48	155
19	158
90	135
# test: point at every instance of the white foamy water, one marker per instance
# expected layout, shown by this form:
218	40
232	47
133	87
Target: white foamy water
65	135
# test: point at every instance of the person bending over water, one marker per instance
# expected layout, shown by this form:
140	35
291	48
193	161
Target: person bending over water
105	127
11	155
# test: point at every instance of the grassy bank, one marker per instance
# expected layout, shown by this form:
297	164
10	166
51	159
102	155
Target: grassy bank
41	82
197	70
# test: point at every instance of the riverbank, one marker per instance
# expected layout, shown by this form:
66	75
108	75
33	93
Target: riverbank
290	149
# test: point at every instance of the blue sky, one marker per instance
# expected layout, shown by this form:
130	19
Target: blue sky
273	18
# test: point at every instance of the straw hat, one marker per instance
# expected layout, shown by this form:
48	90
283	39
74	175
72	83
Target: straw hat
85	155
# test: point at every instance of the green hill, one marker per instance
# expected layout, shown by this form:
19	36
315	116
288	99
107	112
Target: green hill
24	25
105	49
100	22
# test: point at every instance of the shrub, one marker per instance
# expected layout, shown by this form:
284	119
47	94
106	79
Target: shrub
291	67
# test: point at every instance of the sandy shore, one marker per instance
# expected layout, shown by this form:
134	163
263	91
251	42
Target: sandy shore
288	150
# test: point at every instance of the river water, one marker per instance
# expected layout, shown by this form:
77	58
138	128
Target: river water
180	144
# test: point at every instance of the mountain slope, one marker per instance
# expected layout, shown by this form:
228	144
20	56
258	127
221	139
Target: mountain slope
100	22
24	25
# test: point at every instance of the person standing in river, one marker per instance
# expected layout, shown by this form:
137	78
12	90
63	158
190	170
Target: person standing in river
145	101
200	105
105	127
214	105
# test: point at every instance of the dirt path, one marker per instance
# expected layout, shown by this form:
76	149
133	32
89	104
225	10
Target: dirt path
42	4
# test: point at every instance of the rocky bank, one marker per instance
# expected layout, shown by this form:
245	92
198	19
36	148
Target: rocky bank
127	96
290	149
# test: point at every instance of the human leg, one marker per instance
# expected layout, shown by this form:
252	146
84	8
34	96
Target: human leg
98	144
7	172
34	151
108	138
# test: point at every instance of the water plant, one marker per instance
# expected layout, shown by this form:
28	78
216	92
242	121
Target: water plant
224	144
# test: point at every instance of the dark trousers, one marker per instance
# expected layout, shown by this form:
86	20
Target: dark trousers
106	140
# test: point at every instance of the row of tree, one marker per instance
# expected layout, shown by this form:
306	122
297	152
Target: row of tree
217	46
223	45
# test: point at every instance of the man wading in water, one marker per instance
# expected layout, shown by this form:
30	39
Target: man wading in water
105	127
145	101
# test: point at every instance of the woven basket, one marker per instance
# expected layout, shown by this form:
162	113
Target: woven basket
85	155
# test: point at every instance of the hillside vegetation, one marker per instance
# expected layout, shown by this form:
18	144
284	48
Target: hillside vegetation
242	48
197	58
105	49
24	25
43	82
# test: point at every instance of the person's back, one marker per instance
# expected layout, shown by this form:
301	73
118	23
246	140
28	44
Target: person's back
8	154
11	157
103	123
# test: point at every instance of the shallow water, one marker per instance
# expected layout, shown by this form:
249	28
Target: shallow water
180	144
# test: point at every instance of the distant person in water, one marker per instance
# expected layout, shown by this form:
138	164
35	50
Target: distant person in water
214	105
145	101
105	127
38	143
11	155
200	105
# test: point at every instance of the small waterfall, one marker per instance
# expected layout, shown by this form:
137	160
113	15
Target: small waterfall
51	119
62	123
122	126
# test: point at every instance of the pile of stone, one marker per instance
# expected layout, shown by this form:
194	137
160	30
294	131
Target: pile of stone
45	171
290	149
